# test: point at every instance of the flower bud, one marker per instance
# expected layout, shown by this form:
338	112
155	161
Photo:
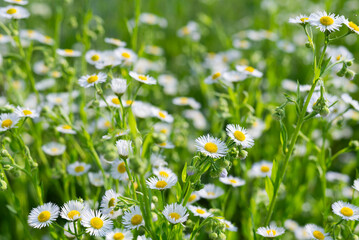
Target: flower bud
349	63
223	173
342	71
354	144
154	199
350	74
213	236
279	114
243	154
324	111
3	185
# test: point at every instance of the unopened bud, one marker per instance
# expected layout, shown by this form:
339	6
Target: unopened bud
213	236
354	144
324	111
342	71
243	154
3	185
350	74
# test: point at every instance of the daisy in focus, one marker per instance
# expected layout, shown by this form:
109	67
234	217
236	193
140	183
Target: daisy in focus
26	112
316	232
162	183
301	19
72	210
211	146
346	211
43	215
239	135
143	78
109	200
271	231
198	211
118	170
8	121
175	213
325	22
96	223
133	219
90	80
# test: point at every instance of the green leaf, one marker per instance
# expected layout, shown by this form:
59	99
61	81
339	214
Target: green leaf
274	173
178	192
184	173
269	188
283	136
132	123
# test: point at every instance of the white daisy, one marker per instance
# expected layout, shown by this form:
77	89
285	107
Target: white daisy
162	127
211	146
26	112
143	78
96	223
239	135
198	211
234	181
166	145
54	148
67	129
193	198
93	56
68	53
109	200
162	115
8	121
14	12
20	2
126	55
72	210
43	216
112	101
234	76
115	41
186	101
162	183
46	40
213	78
261	169
90	80
133	219
229	226
316	232
124	147
175	213
356	184
78	168
119	234
325	22
301	19
163	172
291	225
157	160
248	70
351	25
119	85
118	170
211	191
96	178
271	231
345	210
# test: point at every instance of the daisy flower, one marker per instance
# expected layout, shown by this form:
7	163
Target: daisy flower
234	76
163	172
90	80
161	127
158	161
211	191
166	145
127	55
124	147
213	78
93	56
271	231
325	22
356	184
248	70
78	168
261	169
111	100
119	85
133	219
26	112
115	41
211	146
43	216
229	226
345	210
96	223
198	211
119	234
67	129
316	232
175	213
96	178
301	19
291	225
72	210
54	148
68	53
162	115
239	135
143	78
234	181
109	200
8	121
162	183
193	198
20	2
351	25
186	101
118	170
46	40
14	12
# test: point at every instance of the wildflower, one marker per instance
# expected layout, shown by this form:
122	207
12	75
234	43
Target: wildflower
161	127
143	78
199	121
133	219
54	148
351	25
67	129
249	71
90	80
118	170
229	226
8	121
261	169
112	101
68	53
119	234
124	148
163	172
346	211
191	30
96	178
119	85
211	191
175	213
356	184
271	231
72	210
198	211
325	22
316	232
93	57
162	115
239	135
234	181
154	50
158	161
108	202
301	19
115	41
78	168
43	216
291	225
193	198
14	12
184	101
213	78
126	55
211	146
162	183
96	223
45	40
169	83
20	2
234	76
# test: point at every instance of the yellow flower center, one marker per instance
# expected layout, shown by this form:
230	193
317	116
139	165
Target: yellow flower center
346	211
216	75
67	127
115	101
69	51
161	184
125	55
304	19
200	211
107	124
163	131
354	26
73	213
26	112
249	69
96	222
111	203
6	123
185	30
129	102
339	57
118	236
54	149
239	135
136	219
211	147
58	100
163	174
273	231
11	11
192	198
92	79
163	144
44	216
232	181
95	57
318	235
211	194
174	215
143	78
184	100
326	20
79	169
265	168
162	115
121	168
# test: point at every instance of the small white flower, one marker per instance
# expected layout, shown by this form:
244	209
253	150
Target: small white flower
112	101
67	129
119	234
261	169
78	168
54	148
115	41
211	191
316	232
186	101
119	85
20	2
193	198
8	121
90	80
163	172
239	135
234	76
291	225
325	22
162	127
158	161
133	219
43	216
68	53
96	178
211	146
351	25
162	115
96	223
72	210
143	78
234	181
249	71
126	55
301	19
198	211
124	147
271	231
229	226
93	57
175	213
14	12
118	170
356	184
162	183
346	211
108	202
213	78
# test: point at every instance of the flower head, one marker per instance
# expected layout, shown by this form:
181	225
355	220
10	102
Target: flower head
175	213
211	146
133	219
43	216
345	210
271	231
96	223
325	22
